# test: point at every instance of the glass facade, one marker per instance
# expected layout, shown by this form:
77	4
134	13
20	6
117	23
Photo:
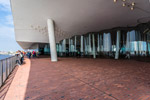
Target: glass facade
132	42
115	43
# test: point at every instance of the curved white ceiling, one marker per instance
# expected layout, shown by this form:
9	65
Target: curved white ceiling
72	17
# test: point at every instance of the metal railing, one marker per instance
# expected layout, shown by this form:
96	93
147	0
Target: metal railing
6	67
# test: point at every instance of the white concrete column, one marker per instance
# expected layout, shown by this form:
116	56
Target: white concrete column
94	52
98	43
60	50
52	40
71	49
57	47
81	44
117	44
85	45
75	44
69	45
90	49
101	43
64	45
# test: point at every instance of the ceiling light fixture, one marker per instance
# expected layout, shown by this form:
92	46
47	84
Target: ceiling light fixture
115	0
132	8
123	4
133	4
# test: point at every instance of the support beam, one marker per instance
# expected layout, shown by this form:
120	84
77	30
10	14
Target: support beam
117	44
52	40
64	45
90	43
57	47
98	43
60	49
69	45
101	43
75	44
81	44
85	46
94	52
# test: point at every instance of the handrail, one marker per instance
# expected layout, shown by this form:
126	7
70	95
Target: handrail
6	67
7	57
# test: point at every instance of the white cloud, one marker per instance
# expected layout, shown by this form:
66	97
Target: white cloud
6	20
7	32
7	36
9	20
7	39
5	4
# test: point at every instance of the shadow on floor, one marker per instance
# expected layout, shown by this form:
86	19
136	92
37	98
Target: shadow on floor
7	83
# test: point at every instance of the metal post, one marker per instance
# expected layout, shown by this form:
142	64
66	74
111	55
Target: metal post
6	68
1	72
11	64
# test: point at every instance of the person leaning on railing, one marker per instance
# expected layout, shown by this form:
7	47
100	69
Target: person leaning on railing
18	59
22	56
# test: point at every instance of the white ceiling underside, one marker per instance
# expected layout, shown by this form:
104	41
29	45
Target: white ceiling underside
72	17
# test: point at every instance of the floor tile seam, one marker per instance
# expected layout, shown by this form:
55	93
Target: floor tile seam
92	86
106	78
111	77
97	89
134	95
71	88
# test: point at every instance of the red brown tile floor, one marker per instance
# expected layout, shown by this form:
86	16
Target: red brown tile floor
81	79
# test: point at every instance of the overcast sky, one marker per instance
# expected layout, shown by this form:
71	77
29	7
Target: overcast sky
7	36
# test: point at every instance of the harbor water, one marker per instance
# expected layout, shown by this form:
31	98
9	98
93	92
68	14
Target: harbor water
4	56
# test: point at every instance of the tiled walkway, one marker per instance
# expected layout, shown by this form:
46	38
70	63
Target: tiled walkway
83	79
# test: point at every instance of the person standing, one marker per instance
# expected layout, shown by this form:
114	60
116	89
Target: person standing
29	54
18	59
127	55
22	56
